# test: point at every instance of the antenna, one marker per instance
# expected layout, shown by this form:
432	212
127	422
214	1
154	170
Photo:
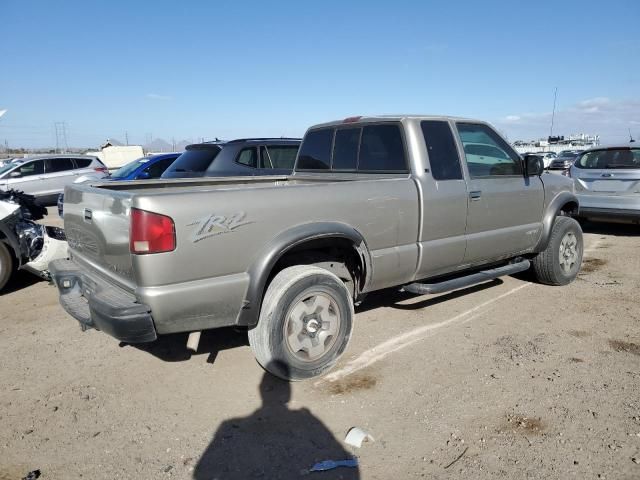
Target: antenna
553	113
631	140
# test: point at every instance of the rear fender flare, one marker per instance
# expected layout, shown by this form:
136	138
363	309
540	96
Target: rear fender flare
261	268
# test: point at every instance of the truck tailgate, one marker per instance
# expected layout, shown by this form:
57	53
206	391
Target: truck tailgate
96	222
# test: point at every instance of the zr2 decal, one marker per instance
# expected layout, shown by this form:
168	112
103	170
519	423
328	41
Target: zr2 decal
212	225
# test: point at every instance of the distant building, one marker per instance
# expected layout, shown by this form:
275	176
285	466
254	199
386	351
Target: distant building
114	155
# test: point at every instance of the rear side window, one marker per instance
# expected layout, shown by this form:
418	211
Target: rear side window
82	162
279	156
442	151
158	168
382	149
195	159
345	149
315	152
248	157
53	165
612	158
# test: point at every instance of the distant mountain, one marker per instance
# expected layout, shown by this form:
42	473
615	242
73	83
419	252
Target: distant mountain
161	145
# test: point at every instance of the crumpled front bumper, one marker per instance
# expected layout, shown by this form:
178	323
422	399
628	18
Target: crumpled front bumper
98	304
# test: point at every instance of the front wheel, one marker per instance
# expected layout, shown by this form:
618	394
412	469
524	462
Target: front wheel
560	262
305	323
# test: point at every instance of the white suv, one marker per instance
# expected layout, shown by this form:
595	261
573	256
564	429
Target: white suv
46	176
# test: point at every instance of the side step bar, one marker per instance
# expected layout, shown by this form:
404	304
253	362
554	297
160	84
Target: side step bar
469	280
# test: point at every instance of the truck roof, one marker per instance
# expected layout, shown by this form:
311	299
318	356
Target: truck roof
396	118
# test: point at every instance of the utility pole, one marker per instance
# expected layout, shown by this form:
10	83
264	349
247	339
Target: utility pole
173	144
61	137
553	113
126	138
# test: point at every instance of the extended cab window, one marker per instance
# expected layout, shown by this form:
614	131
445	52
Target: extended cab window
345	149
315	151
442	151
487	154
382	149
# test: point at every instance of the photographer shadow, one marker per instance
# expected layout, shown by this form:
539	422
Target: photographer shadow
274	442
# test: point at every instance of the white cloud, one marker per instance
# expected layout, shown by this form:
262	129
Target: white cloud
609	118
155	96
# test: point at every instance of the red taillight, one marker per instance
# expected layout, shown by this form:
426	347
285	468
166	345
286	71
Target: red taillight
101	169
151	233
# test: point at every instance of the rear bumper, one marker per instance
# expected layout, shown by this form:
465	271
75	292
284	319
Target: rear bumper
101	305
609	213
609	206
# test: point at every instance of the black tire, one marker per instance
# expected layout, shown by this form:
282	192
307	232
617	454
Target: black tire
7	265
548	265
302	287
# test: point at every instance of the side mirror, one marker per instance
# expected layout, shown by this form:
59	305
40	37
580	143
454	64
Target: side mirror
143	176
15	175
533	165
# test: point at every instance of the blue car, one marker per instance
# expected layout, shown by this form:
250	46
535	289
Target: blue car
145	168
141	169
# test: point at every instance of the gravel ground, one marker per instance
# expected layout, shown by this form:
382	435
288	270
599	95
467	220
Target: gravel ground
507	380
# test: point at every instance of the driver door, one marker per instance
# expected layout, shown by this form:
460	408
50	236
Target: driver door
504	215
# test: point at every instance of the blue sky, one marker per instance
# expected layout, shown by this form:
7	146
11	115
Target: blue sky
204	69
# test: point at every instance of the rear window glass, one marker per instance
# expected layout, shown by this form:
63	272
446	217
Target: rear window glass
315	152
381	149
442	151
345	149
196	159
613	158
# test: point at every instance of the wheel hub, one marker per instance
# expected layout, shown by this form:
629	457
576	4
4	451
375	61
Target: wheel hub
568	252
312	326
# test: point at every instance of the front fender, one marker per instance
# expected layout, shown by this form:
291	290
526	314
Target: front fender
267	258
553	209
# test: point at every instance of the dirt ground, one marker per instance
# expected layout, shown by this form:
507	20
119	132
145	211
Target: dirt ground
506	380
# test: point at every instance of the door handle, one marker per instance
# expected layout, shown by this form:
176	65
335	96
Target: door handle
475	195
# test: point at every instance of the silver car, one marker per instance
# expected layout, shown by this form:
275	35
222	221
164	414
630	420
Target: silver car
607	183
46	176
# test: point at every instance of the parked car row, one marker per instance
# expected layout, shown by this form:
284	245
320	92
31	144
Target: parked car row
45	176
241	157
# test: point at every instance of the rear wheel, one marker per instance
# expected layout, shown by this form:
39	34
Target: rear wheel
305	323
7	265
560	262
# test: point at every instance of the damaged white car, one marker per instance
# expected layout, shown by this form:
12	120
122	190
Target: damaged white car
25	244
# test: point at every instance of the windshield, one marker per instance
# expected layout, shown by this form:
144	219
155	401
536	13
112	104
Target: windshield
129	168
568	155
7	167
627	158
195	159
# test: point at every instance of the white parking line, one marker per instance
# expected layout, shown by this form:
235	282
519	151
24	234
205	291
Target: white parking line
399	342
404	340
